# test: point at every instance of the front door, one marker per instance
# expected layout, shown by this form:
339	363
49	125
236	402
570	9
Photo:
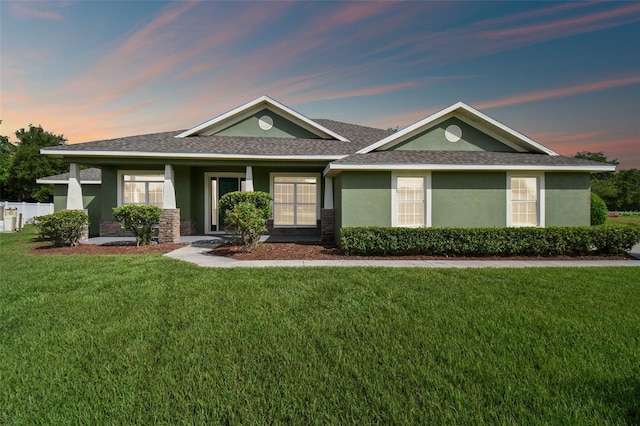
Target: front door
220	186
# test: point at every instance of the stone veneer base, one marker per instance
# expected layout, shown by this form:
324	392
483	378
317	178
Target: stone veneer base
169	226
327	225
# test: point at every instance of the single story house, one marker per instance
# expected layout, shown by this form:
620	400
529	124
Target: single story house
455	168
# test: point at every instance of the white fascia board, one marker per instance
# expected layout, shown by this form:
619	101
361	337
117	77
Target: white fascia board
186	155
433	119
220	118
64	182
331	169
407	131
244	110
517	135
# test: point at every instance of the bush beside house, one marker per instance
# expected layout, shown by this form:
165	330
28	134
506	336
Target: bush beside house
139	219
65	227
599	211
246	215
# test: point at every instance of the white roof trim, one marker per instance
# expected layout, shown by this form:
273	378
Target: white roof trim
65	182
440	115
187	155
333	169
267	102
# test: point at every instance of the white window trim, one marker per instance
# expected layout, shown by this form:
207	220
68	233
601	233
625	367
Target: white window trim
318	176
427	196
121	174
207	197
541	196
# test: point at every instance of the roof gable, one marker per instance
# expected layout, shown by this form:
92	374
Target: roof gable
463	137
267	107
472	117
266	124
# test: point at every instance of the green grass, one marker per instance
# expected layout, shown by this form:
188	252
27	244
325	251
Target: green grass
146	339
624	220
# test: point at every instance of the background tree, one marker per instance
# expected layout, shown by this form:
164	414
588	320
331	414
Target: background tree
7	150
619	190
27	165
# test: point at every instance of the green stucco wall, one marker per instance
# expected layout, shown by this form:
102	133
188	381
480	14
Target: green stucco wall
90	201
109	193
568	199
468	199
182	183
365	199
434	139
337	204
282	128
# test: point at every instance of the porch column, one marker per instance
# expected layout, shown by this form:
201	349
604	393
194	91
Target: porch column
328	192
168	189
249	179
74	190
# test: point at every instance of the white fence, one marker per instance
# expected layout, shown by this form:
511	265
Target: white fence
28	210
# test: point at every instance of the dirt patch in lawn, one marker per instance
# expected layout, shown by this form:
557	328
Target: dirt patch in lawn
317	251
120	248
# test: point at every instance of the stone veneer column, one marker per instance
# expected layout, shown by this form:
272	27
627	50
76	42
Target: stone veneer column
169	229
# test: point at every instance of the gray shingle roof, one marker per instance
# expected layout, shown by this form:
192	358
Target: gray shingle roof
86	175
463	158
359	137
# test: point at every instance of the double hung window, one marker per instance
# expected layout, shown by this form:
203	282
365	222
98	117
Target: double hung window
410	196
524	194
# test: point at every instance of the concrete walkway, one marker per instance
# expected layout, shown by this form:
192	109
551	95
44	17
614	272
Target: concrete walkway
199	255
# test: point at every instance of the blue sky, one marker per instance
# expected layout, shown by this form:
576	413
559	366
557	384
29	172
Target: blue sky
564	74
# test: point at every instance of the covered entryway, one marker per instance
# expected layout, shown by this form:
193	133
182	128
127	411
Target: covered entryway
217	185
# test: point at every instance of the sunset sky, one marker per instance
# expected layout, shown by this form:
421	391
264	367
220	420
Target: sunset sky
564	74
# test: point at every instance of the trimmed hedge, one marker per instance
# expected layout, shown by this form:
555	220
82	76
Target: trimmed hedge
64	227
479	242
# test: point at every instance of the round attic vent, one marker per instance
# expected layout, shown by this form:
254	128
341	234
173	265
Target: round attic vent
265	122
453	133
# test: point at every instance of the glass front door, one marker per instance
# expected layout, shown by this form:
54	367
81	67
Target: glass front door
220	186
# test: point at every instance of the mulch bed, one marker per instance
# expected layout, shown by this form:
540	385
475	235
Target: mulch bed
273	251
317	251
122	248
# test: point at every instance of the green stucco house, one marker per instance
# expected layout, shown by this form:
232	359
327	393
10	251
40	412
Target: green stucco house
455	168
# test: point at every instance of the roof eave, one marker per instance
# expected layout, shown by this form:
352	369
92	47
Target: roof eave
65	182
334	169
185	155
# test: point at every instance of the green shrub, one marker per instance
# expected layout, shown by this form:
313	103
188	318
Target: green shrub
64	227
138	219
599	210
481	242
246	223
246	215
261	200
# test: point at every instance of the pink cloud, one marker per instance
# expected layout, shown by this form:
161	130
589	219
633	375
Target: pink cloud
559	138
490	36
559	93
22	11
569	26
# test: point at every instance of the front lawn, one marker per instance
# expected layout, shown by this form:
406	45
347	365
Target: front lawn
147	339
